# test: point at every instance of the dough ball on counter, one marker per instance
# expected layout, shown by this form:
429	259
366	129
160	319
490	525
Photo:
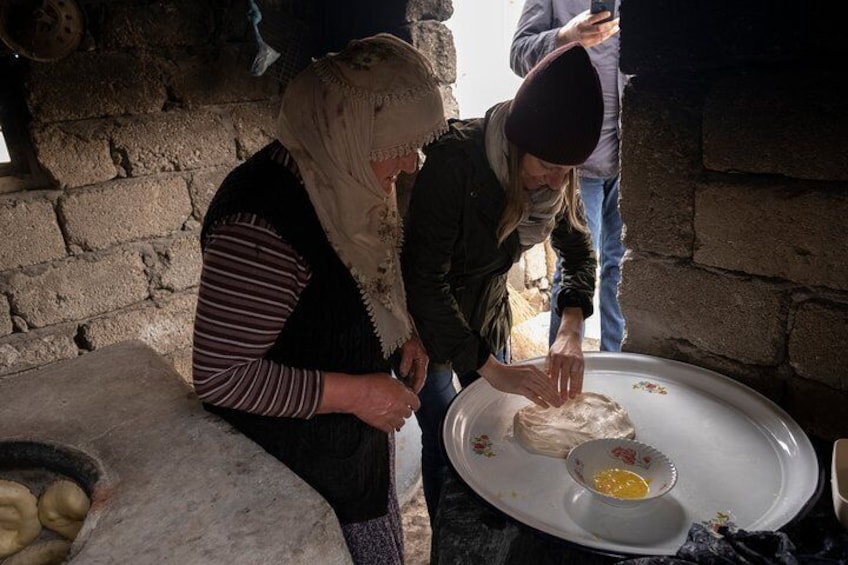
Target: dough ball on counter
62	507
19	524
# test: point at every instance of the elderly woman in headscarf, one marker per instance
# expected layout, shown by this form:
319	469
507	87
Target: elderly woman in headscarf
490	189
302	312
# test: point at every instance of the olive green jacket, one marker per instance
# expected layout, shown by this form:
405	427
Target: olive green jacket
454	270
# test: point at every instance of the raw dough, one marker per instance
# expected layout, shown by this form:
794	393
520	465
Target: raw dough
62	507
19	524
556	431
52	552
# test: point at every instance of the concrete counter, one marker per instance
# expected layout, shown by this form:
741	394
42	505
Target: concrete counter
175	484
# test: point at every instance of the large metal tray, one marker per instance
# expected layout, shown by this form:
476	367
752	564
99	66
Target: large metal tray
741	459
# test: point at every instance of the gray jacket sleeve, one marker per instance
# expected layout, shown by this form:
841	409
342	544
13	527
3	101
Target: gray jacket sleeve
535	36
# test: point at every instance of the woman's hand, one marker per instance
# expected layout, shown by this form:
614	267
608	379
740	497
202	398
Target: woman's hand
583	28
413	364
378	399
564	363
526	380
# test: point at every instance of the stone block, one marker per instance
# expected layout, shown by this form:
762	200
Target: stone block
202	187
115	84
709	35
78	288
439	10
255	124
768	381
535	265
5	317
537	300
435	41
449	102
741	133
75	153
182	362
165	327
22	351
515	277
735	317
162	23
219	76
29	233
818	408
174	141
818	343
788	232
660	160
236	26
179	261
289	28
125	210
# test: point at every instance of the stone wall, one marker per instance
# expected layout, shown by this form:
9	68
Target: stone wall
734	195
733	190
134	132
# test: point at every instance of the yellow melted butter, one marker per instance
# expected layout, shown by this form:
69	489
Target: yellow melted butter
620	483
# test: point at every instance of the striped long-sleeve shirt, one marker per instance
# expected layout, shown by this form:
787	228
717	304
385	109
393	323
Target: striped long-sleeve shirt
250	283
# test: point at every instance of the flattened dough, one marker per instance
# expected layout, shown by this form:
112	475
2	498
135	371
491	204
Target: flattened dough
556	431
19	524
62	507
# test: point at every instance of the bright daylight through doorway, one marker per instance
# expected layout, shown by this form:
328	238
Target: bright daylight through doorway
482	33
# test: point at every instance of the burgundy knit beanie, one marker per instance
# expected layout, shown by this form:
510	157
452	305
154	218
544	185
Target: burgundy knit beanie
557	112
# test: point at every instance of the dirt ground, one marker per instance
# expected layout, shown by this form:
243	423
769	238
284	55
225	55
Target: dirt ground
416	529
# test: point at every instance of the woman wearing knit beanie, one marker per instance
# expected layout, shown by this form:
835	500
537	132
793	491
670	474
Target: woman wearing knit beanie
490	189
301	310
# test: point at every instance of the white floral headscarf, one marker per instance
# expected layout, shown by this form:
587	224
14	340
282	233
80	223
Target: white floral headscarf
377	99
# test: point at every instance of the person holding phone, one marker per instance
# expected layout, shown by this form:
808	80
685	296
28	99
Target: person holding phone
545	25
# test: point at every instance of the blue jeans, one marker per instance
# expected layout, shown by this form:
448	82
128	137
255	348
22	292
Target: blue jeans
436	396
600	199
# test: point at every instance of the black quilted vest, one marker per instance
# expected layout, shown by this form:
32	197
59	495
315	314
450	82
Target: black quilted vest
344	459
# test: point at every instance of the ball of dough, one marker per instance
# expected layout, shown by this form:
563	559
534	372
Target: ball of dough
52	552
62	507
19	524
556	431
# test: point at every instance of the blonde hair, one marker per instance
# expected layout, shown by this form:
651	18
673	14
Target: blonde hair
517	196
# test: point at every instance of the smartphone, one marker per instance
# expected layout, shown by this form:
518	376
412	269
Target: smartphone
603	5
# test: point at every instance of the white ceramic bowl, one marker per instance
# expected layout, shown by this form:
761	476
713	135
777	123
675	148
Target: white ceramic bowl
588	459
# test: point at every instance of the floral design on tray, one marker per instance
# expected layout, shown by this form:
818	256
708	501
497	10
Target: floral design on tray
720	520
482	445
649	387
630	456
514	495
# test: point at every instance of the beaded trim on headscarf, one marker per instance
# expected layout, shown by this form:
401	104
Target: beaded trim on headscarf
324	70
362	57
403	150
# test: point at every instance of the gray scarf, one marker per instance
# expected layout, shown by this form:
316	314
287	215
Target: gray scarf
543	205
